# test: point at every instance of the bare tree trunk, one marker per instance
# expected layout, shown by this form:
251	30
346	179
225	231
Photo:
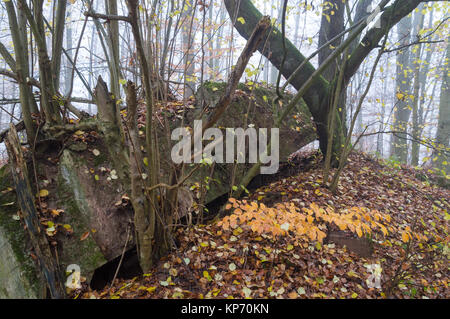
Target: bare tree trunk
210	41
423	79
91	58
218	45
399	146
273	69
443	130
167	34
21	69
113	44
69	66
50	103
144	227
297	25
317	91
266	62
188	41
416	65
22	20
380	140
57	45
332	24
156	227
362	8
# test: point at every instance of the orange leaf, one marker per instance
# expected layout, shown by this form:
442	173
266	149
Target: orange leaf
293	295
359	232
233	221
405	237
384	230
342	226
84	236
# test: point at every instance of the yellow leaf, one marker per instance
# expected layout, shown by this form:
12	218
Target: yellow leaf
400	96
151	289
241	20
56	212
384	230
405	237
359	232
206	275
43	193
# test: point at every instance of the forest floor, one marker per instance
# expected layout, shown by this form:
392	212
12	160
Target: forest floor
285	241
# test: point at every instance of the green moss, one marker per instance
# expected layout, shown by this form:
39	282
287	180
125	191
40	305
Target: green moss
256	106
72	198
16	238
101	158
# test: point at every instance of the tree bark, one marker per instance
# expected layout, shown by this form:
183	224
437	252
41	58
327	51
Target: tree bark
399	145
331	25
21	69
273	51
113	44
441	157
49	96
26	203
69	66
188	41
318	93
110	126
58	37
416	65
145	225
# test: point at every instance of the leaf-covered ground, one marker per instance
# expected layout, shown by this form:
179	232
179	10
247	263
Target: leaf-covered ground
236	259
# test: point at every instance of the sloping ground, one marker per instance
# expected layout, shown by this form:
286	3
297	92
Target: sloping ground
83	206
232	259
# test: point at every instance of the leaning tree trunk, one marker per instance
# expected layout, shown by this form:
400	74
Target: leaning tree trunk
317	93
273	51
25	199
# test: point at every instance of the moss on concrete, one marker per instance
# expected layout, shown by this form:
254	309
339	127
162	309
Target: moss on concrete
72	198
250	105
18	275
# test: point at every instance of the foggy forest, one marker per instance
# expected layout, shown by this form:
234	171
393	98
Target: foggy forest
224	149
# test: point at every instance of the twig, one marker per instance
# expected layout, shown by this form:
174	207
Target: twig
121	258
